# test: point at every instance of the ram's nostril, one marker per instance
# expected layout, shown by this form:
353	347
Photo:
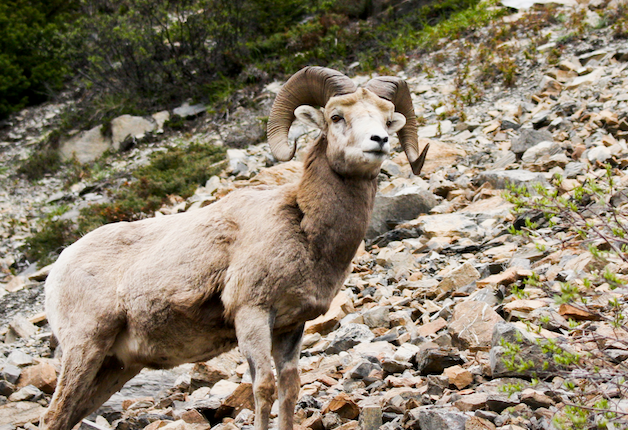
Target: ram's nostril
379	139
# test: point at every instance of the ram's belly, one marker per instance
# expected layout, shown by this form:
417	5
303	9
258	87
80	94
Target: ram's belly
169	348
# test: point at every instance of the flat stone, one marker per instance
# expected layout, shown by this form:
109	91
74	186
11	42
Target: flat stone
524	305
126	126
472	324
19	359
405	205
223	389
471	402
406	352
371	418
20	413
501	179
449	225
589	79
440	154
459	277
344	406
507	277
339	308
535	399
545	148
348	336
432	327
479	423
22	327
86	146
528	138
186	110
10	372
434	418
377	317
29	392
599	154
436	360
459	376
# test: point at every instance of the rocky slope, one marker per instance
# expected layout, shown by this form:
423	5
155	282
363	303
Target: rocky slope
422	333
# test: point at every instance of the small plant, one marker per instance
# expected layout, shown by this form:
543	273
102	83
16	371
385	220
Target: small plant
177	171
41	162
594	218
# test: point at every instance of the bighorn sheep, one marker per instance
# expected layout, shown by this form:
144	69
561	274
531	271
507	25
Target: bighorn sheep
251	268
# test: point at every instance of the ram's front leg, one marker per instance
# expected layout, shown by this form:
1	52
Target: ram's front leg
254	332
286	351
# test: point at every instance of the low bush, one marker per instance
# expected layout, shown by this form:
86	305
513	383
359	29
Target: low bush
587	375
175	172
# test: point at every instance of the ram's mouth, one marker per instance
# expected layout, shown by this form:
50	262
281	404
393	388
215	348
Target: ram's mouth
377	152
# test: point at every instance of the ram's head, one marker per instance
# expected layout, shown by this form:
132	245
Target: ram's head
357	122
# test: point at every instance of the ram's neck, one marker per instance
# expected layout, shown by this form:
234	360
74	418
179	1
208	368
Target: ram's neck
336	210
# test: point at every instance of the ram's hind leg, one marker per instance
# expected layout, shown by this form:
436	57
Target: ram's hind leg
253	329
286	351
88	378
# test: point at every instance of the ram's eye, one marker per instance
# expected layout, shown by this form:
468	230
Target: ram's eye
388	123
336	118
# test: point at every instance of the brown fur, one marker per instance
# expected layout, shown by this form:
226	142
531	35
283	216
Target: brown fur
250	269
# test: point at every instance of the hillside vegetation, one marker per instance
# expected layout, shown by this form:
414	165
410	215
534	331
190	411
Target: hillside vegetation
133	56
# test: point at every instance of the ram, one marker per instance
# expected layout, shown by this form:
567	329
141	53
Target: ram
250	269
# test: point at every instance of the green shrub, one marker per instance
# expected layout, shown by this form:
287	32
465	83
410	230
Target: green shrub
41	162
177	171
45	245
32	61
590	218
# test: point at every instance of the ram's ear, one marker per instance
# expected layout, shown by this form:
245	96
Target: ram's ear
310	116
397	123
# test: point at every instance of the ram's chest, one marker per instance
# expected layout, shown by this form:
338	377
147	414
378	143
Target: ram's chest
311	299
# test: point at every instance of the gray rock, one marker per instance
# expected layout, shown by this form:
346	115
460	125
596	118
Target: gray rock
370	418
500	179
505	160
348	336
186	111
499	402
331	420
391	168
528	138
10	372
434	361
529	351
126	126
20	413
22	327
86	146
450	225
573	169
405	205
539	150
599	154
435	418
30	392
377	317
237	162
362	369
19	358
6	388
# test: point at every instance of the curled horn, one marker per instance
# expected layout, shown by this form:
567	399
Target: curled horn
312	86
396	90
